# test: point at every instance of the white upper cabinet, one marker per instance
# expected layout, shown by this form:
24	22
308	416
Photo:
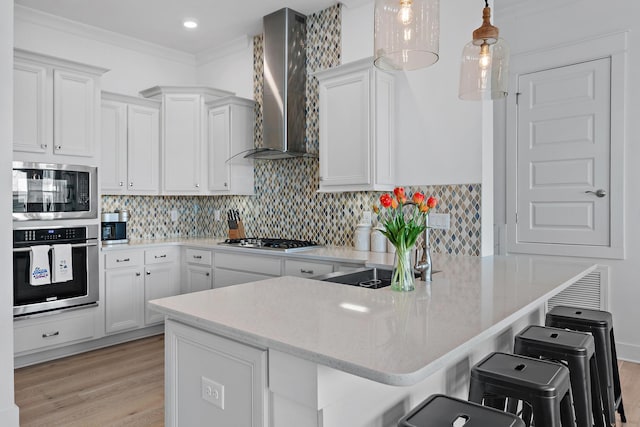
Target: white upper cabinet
357	128
183	142
56	106
229	135
130	145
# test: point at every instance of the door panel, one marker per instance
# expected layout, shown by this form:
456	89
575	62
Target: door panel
564	142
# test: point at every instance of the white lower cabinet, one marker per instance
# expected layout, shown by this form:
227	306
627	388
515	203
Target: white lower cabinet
198	271
124	290
134	277
233	269
45	332
213	380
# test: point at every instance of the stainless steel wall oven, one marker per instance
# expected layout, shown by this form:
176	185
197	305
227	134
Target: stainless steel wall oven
81	290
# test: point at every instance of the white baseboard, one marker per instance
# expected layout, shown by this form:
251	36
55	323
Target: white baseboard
628	352
10	416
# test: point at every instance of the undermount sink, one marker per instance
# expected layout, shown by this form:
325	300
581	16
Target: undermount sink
372	278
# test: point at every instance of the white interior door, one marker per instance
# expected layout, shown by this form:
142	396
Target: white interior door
563	155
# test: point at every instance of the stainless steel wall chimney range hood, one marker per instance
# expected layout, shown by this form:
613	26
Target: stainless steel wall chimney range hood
285	77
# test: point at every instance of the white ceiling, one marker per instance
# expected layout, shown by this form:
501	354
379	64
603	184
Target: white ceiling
160	21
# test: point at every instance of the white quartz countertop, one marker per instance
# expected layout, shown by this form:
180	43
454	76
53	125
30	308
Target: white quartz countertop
386	336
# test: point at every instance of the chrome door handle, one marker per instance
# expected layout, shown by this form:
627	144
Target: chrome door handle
598	193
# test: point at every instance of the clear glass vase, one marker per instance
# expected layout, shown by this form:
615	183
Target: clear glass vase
402	278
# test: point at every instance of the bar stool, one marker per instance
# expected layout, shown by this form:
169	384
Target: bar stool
542	384
600	325
577	350
444	411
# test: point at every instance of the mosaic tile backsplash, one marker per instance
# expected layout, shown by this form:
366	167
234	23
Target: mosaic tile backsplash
286	203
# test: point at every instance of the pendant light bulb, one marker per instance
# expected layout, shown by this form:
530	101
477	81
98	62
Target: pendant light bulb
405	14
485	56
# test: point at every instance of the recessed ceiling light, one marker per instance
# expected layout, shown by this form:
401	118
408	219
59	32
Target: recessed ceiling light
190	24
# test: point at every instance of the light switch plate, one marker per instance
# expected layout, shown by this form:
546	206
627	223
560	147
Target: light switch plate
174	215
441	221
366	217
216	215
212	392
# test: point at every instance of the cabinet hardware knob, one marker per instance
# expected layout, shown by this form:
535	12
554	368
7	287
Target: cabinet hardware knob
50	334
598	193
226	185
43	145
137	274
208	274
197	185
131	184
123	260
148	273
121	183
303	271
58	147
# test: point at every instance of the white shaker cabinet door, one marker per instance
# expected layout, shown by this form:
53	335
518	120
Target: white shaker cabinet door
123	299
219	144
30	108
113	145
74	104
143	149
182	151
161	280
198	278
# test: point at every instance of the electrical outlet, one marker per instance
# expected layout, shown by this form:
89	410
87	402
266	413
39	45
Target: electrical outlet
216	215
174	215
366	217
440	221
212	392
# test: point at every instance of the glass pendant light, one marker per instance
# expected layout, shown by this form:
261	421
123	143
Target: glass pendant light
485	61
406	34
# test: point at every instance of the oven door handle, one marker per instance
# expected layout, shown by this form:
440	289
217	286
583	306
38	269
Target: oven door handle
73	245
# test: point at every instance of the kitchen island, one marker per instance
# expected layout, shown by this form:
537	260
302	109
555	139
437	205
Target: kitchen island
290	351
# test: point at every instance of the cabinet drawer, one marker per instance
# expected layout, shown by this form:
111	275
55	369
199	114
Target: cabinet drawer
49	331
198	256
306	268
160	255
121	259
249	263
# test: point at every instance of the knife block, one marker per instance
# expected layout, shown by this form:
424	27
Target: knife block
237	233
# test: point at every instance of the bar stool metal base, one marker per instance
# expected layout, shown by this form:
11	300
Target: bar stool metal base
577	350
542	384
600	325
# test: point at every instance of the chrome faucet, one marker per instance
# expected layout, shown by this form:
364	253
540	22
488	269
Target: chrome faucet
424	266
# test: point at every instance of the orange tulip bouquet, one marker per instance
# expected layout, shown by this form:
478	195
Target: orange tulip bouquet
402	228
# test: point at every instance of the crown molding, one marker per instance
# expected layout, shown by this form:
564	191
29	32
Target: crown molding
351	4
237	45
36	17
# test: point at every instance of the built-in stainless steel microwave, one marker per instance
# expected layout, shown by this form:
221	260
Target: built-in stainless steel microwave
44	191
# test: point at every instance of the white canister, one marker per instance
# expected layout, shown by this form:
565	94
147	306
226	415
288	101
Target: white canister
390	248
378	240
361	237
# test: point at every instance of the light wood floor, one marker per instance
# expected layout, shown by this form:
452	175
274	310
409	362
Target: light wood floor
123	385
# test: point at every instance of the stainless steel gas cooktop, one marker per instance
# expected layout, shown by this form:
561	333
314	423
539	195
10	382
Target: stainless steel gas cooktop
281	245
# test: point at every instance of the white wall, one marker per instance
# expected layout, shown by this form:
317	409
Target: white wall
133	65
231	69
8	410
570	21
439	137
